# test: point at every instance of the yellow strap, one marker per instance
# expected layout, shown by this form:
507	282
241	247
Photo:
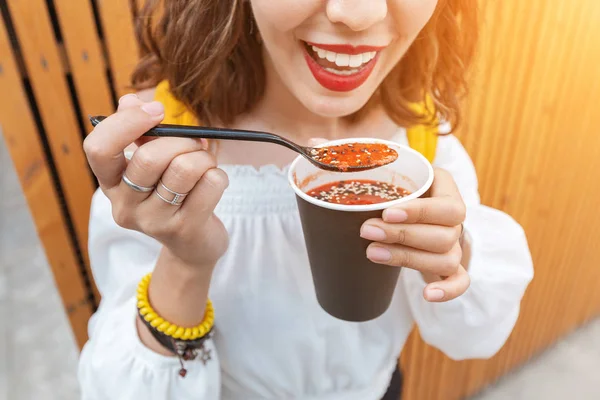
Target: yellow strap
422	138
176	112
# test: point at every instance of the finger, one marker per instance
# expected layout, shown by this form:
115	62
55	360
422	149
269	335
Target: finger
401	256
433	238
129	100
104	146
444	185
182	174
444	207
205	196
132	100
150	161
450	288
434	210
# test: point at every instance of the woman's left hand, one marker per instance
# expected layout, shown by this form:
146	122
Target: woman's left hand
424	234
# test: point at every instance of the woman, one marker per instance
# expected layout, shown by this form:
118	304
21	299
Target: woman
218	221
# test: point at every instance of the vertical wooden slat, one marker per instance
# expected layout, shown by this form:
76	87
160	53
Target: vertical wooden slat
51	92
117	20
87	66
410	362
24	146
508	135
86	60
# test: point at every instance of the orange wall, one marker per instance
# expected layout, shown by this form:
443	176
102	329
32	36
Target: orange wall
533	130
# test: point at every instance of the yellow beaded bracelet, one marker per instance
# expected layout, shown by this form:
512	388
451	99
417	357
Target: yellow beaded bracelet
167	328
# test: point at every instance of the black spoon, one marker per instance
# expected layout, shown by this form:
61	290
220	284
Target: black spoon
312	154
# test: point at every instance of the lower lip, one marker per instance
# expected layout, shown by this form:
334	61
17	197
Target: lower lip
339	83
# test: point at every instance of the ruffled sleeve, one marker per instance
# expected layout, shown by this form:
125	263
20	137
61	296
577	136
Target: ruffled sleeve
114	363
478	323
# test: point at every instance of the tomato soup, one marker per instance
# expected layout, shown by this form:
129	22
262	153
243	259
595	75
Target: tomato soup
355	155
358	192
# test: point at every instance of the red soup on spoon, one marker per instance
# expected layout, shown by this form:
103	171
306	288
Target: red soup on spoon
354	156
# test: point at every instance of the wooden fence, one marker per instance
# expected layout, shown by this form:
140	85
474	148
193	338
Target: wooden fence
532	129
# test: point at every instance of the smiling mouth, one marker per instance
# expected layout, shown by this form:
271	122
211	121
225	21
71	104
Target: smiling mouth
339	63
341	67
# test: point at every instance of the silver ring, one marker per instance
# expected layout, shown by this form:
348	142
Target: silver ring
171	202
177	199
136	187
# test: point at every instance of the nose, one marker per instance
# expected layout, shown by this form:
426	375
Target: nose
358	15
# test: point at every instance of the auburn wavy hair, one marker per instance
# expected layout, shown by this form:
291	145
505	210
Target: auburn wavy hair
209	52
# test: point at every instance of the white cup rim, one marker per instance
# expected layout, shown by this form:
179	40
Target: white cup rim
366	207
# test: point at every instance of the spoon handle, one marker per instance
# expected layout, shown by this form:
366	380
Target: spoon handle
197	132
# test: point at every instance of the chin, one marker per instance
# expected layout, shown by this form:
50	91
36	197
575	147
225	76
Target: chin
333	106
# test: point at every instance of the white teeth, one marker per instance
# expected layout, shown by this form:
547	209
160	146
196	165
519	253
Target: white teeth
366	57
342	71
355	60
344	60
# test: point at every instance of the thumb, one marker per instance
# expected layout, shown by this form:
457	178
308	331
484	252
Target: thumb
129	100
316	141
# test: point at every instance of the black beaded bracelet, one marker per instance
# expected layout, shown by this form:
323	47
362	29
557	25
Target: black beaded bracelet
185	350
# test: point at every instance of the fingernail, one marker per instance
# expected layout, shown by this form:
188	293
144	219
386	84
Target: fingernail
154	109
371	232
204	144
378	254
434	294
394	215
128	95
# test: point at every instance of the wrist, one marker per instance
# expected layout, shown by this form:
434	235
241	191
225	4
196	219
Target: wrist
182	267
178	291
172	303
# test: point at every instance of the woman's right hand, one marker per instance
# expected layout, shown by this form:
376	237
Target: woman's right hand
189	231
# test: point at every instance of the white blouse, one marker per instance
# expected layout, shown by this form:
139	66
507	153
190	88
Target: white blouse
272	340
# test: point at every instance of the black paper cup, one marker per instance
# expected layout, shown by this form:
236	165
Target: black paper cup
348	285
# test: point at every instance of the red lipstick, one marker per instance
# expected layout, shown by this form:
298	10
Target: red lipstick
337	82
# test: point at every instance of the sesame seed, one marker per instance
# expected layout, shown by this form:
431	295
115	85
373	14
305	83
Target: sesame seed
358	192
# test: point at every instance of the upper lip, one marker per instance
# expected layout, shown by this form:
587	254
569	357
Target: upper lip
347	48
